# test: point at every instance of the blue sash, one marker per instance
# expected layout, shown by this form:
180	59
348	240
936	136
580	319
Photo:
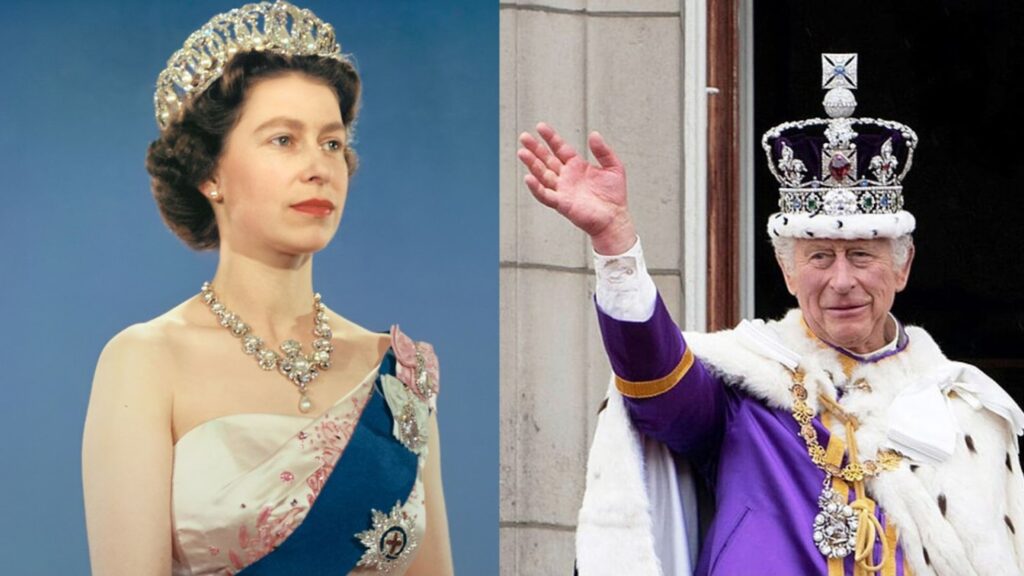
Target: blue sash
375	471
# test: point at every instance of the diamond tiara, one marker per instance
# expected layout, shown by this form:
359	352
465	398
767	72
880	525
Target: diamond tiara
280	28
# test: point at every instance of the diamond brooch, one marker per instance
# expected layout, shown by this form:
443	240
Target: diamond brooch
835	525
390	541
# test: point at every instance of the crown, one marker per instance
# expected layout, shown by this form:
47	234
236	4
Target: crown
838	167
280	28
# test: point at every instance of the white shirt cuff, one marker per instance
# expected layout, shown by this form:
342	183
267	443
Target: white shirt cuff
625	291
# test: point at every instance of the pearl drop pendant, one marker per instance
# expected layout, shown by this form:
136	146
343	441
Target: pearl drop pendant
305	404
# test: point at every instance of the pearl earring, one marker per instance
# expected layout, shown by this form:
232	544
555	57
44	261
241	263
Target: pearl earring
214	194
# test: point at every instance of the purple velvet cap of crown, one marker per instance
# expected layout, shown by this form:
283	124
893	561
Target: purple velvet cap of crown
808	144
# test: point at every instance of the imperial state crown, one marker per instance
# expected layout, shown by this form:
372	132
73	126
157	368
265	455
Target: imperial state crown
840	177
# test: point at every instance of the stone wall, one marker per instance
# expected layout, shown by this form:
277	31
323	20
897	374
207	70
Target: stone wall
610	65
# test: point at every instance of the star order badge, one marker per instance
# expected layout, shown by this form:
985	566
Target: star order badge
390	541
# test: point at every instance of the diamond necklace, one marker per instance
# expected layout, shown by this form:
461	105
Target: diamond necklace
299	368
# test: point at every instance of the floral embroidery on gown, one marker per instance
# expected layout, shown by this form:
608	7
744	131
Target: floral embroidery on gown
278	495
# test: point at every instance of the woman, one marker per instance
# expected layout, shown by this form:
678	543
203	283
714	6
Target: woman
207	451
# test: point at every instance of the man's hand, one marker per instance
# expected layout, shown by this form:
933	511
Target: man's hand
592	197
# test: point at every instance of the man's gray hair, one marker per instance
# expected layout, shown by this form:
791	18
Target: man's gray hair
785	250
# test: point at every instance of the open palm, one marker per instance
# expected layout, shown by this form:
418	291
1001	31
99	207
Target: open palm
592	197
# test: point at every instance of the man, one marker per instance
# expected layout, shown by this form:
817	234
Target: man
836	441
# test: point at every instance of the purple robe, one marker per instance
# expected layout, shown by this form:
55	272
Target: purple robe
752	456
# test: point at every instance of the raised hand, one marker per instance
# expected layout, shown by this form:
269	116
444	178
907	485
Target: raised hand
592	197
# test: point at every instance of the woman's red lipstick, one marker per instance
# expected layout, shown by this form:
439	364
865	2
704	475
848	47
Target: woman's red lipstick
315	207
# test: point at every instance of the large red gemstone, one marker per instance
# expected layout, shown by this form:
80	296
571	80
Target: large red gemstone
839	167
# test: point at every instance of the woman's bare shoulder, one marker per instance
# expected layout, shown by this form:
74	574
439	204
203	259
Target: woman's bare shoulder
146	348
350	334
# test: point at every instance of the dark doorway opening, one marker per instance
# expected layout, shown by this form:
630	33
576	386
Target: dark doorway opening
954	72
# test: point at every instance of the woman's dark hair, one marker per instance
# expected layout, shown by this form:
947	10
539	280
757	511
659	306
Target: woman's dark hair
187	151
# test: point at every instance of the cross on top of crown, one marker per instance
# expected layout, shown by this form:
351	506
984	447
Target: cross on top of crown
838	71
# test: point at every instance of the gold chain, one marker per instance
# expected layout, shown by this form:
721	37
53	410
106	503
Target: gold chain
853	471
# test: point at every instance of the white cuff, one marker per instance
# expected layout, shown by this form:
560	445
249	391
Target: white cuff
625	291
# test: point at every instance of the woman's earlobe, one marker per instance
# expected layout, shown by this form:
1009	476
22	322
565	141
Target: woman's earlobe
210	190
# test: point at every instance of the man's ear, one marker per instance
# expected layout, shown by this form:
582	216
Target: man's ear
903	274
787	275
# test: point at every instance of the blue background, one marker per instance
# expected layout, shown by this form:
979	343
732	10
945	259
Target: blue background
85	254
